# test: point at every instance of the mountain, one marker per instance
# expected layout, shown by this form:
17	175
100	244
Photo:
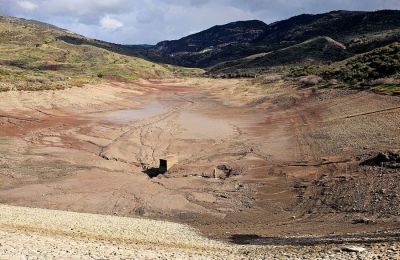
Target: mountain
36	55
232	33
207	47
355	48
359	32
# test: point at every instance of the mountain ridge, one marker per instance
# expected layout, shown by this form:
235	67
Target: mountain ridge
342	26
299	46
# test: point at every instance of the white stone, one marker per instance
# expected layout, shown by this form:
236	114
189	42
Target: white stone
356	249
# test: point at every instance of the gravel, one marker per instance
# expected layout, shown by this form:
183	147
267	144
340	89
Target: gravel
27	233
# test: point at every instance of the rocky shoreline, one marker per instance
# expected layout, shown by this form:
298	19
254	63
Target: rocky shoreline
27	233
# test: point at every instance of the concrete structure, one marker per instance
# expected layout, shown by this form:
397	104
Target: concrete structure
163	166
167	163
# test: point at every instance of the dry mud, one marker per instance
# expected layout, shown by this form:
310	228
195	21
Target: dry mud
92	150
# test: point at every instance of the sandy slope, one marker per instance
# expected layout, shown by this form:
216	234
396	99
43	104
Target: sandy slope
47	233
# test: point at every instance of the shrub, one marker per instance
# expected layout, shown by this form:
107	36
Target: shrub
57	77
38	79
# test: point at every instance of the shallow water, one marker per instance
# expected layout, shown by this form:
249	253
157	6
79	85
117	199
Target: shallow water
131	114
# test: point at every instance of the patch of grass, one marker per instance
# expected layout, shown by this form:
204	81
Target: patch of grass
388	88
186	72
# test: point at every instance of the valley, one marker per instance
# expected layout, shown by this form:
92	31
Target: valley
243	141
61	151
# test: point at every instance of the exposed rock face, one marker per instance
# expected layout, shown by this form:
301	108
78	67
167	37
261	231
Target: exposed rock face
388	159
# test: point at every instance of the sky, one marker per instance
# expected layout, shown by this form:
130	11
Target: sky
151	21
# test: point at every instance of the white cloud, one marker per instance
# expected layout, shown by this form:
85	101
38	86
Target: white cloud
108	22
86	7
27	6
150	21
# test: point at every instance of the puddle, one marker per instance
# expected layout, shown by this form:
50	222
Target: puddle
202	127
131	114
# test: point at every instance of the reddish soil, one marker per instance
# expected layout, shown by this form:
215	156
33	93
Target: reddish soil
290	157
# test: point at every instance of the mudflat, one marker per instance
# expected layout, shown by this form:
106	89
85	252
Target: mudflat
248	162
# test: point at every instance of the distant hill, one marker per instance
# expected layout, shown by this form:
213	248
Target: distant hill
208	47
232	33
314	51
224	45
36	55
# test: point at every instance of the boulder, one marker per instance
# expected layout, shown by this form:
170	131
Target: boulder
354	249
362	220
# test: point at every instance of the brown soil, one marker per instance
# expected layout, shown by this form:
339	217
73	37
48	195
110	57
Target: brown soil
289	157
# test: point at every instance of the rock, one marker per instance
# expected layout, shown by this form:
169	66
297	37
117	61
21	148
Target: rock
207	174
362	221
238	186
379	159
354	249
222	172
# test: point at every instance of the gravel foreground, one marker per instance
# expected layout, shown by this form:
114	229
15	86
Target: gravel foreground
27	233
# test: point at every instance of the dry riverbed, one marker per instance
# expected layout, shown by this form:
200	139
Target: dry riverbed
251	164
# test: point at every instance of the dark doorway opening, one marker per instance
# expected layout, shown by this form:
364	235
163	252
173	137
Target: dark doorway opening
154	172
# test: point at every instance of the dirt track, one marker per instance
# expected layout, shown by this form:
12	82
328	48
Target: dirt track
85	150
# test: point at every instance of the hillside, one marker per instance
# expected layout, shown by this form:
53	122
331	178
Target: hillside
359	31
232	33
314	51
346	27
35	55
207	47
378	69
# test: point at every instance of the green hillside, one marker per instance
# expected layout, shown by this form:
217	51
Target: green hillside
378	69
319	50
33	56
